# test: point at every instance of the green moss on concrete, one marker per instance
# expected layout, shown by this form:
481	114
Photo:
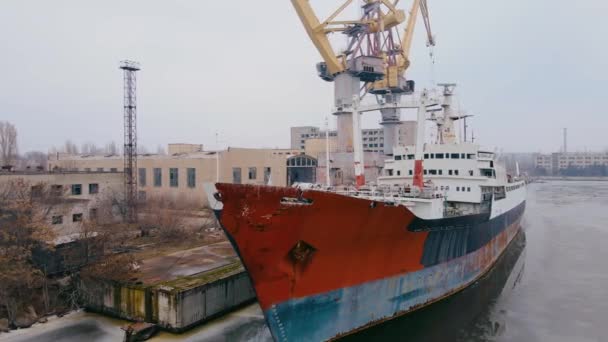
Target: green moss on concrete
188	282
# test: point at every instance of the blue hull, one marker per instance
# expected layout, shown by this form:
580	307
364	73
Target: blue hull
337	313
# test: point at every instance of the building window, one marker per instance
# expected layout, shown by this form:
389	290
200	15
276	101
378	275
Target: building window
253	173
56	190
440	172
113	169
450	172
433	172
87	169
267	172
426	156
470	172
57	219
236	175
455	156
93	188
456	172
77	218
410	172
191	177
398	172
93	214
397	157
158	177
438	155
76	189
142	176
36	191
173	180
100	169
468	189
457	188
425	171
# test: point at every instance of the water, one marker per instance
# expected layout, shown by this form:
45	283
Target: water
550	285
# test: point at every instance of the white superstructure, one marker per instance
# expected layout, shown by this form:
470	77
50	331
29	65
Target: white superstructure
449	178
463	176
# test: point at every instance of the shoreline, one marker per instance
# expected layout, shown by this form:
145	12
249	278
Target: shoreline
570	178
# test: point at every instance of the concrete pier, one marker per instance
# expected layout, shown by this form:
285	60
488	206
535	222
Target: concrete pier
176	291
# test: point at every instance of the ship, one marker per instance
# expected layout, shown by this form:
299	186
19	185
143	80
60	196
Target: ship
326	262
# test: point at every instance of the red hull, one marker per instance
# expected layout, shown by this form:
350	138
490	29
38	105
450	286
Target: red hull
349	241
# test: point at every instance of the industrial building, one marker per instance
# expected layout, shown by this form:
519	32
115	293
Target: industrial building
79	196
373	138
182	173
571	163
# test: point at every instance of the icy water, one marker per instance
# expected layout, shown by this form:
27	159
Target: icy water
550	285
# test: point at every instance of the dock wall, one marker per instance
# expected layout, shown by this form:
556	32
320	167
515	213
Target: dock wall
173	307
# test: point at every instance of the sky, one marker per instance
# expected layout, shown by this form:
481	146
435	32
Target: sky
246	70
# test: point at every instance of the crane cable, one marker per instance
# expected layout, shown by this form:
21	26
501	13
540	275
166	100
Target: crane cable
430	42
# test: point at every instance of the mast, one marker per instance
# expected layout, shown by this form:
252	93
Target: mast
327	178
419	154
217	158
357	144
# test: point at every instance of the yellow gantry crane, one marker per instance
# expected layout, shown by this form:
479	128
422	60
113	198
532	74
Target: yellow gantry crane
373	40
376	53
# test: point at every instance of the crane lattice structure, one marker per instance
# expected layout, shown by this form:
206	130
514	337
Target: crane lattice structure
377	54
130	69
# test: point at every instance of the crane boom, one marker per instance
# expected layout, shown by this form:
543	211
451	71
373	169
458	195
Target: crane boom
430	40
317	34
408	34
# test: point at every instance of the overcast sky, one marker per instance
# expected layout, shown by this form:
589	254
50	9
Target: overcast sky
525	69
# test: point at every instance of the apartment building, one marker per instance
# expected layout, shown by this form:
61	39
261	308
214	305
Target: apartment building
373	138
571	162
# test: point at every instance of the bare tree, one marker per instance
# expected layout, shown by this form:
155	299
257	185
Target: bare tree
24	208
8	143
70	147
